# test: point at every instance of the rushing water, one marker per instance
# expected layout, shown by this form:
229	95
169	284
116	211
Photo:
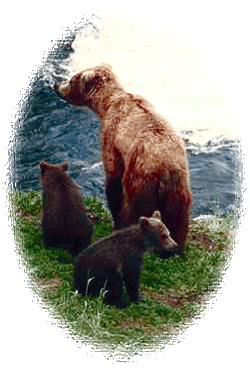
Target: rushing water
52	129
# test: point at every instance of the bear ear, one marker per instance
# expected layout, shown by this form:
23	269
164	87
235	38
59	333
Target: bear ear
86	75
44	166
144	223
157	214
106	66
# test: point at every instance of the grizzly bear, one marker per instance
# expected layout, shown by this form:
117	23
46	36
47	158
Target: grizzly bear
119	257
64	220
144	158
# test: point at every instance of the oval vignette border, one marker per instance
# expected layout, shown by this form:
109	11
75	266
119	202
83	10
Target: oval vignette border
27	328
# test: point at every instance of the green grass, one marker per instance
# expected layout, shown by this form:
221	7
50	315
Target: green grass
175	290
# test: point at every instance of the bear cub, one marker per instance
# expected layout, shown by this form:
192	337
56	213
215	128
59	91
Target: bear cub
64	220
110	261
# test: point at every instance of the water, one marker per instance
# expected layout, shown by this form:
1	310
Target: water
54	130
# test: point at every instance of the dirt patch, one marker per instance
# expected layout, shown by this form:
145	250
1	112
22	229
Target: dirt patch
210	238
47	284
137	323
204	242
172	300
20	212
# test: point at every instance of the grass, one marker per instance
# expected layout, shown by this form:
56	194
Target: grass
175	290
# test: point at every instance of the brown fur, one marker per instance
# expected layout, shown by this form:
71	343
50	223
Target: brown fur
64	220
144	158
119	257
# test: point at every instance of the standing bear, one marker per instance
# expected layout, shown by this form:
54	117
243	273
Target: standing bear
144	158
64	220
119	257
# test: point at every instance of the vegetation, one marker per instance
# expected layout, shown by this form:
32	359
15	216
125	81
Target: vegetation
175	291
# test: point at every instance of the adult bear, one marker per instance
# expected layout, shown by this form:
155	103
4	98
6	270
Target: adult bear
144	158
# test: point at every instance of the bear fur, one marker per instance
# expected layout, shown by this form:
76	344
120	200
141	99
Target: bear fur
144	158
64	220
110	261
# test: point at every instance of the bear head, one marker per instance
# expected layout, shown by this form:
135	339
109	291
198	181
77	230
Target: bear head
45	167
85	87
54	174
156	234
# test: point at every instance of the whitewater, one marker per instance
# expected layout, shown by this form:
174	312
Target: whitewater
149	60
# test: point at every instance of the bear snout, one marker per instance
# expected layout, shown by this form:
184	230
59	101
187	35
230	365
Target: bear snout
170	245
56	87
62	89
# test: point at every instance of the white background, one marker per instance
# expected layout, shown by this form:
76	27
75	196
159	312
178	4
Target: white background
221	32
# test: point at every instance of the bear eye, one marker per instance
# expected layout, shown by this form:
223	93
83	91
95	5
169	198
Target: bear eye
165	236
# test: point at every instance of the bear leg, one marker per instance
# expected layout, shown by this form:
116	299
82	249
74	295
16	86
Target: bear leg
93	282
178	226
131	275
114	193
81	280
114	289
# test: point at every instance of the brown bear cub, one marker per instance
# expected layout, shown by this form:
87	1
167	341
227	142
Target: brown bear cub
144	158
110	261
64	220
